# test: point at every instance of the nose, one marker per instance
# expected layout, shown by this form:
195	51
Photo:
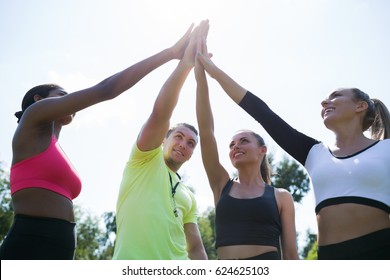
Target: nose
325	102
182	145
235	147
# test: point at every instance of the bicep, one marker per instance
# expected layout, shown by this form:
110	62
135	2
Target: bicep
216	173
53	108
152	134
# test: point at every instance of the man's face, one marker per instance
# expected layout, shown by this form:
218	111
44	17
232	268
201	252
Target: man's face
179	146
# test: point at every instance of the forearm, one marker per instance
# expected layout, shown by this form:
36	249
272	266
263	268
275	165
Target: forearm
168	97
203	107
195	246
230	86
198	254
122	81
292	141
290	251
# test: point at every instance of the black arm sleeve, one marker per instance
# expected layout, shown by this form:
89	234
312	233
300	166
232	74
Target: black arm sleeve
292	141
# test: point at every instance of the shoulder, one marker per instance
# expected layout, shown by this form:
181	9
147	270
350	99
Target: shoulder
137	152
283	196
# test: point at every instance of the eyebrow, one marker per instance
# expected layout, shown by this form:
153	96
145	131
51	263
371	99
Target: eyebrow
242	138
334	93
181	133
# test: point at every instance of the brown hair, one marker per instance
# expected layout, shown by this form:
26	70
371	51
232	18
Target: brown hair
377	117
173	128
265	167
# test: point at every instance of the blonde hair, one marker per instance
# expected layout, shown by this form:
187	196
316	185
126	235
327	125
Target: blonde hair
377	118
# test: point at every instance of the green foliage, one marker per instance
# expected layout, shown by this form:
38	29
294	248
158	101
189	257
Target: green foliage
312	255
107	241
88	233
290	176
311	240
6	211
94	241
206	228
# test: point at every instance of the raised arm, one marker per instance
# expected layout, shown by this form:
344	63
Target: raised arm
50	109
292	141
216	173
231	87
155	128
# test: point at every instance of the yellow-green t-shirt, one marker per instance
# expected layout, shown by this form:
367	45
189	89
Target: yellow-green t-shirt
147	228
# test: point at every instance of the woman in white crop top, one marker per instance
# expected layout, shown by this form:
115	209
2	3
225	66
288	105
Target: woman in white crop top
351	180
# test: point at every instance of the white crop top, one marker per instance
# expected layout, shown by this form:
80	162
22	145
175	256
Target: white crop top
363	177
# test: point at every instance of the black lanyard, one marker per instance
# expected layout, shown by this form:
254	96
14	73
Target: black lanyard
173	190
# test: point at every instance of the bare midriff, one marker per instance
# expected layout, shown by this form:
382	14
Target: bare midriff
341	222
40	202
243	251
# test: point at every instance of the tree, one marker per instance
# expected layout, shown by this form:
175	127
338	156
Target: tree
107	242
6	211
206	225
311	242
290	176
88	235
93	240
312	254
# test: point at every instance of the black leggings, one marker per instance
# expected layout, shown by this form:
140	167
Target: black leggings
373	246
38	238
266	256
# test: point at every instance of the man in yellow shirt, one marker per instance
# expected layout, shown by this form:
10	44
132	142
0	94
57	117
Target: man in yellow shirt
156	214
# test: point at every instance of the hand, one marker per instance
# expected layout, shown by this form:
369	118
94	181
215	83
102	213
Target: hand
199	71
180	46
204	58
199	32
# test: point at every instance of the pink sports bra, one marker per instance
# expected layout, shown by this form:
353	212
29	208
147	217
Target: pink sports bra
49	170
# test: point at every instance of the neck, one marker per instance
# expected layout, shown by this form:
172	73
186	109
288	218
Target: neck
347	132
344	140
174	166
250	178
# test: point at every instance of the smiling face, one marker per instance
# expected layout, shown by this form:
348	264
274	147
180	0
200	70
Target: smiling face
245	148
179	146
340	106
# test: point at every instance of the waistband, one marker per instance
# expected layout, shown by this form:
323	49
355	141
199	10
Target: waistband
53	227
265	256
358	248
352	199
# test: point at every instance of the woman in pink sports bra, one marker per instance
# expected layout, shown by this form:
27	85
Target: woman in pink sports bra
43	182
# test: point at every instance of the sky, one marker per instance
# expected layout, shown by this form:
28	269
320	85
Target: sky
291	53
